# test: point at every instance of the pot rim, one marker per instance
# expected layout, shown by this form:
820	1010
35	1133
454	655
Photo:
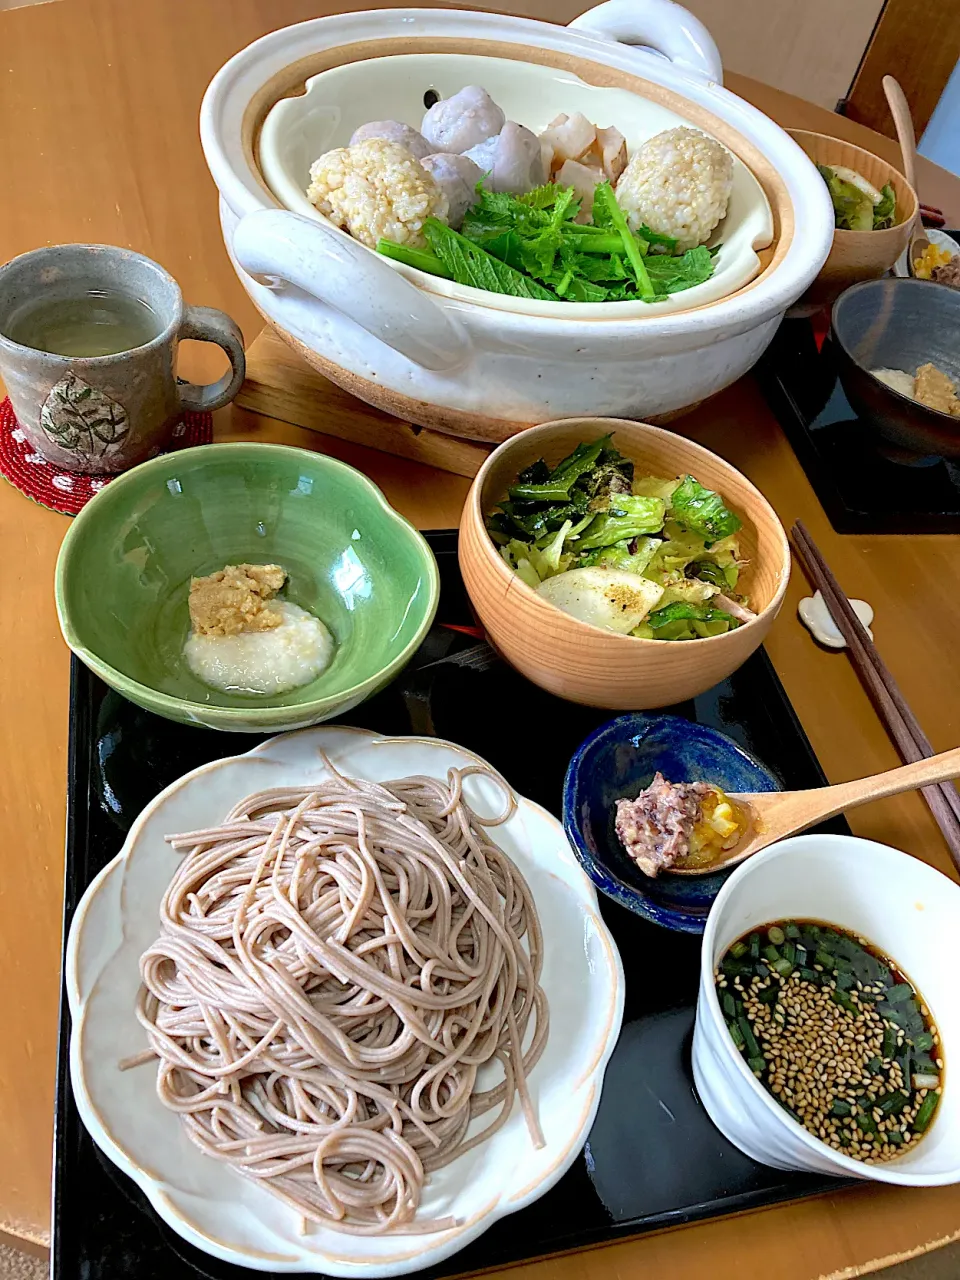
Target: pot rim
234	86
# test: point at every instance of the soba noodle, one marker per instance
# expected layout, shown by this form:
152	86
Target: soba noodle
335	965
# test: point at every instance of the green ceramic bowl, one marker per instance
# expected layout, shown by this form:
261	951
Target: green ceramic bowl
124	571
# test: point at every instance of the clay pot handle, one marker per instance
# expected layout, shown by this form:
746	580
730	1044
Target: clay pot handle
660	25
206	324
279	249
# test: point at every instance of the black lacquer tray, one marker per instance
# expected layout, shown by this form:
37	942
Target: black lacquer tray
653	1158
864	484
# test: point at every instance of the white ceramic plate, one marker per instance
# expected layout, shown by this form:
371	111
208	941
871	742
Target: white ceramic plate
297	130
215	1208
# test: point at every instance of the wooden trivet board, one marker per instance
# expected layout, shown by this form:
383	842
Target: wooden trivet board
280	384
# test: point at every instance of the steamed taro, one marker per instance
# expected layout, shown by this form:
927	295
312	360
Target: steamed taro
462	121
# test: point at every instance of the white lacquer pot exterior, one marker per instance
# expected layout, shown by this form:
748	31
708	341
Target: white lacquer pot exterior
475	367
903	906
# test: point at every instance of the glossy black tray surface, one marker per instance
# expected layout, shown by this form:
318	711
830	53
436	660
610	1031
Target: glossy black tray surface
863	484
653	1158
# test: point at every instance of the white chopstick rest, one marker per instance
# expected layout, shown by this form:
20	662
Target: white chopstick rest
816	617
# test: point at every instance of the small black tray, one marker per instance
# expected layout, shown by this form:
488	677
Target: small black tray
864	485
653	1158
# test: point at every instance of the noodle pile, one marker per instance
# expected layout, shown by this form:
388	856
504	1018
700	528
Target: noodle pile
333	968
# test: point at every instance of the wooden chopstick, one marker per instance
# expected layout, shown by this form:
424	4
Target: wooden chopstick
893	709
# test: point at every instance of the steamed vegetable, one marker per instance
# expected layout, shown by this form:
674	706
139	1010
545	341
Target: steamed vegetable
653	557
608	598
533	246
857	204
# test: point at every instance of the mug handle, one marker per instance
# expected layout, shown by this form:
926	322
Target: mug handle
207	324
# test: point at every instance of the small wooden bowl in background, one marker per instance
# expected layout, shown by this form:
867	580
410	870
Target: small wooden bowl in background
587	664
857	255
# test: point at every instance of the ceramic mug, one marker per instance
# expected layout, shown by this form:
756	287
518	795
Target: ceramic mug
106	413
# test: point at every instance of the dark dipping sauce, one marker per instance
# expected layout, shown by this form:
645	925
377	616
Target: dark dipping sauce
836	1033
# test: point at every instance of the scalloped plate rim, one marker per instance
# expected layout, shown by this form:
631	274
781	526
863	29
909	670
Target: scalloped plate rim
314	1262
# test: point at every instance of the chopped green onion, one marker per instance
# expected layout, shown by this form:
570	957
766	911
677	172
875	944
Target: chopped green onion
776	935
840	1108
925	1114
824	958
749	1039
736	1035
923	1041
757	1065
792	931
739	949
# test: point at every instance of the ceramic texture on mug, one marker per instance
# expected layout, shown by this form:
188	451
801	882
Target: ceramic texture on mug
106	413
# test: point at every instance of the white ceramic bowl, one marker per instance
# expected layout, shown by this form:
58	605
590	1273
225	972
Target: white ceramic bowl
905	908
234	1218
454	358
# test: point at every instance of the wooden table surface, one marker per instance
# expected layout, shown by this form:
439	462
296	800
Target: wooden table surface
98	142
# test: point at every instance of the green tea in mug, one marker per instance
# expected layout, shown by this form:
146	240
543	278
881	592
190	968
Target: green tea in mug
98	322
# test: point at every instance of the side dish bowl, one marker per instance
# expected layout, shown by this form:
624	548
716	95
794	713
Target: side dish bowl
123	577
899	324
857	255
584	663
620	759
900	905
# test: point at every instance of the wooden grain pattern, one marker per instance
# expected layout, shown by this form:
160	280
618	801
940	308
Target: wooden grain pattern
858	255
586	664
282	385
98	141
918	44
774	815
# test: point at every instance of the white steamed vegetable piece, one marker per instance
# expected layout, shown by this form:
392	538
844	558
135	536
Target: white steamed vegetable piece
462	121
393	131
457	178
609	598
513	160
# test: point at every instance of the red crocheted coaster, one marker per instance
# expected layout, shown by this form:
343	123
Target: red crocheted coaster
69	491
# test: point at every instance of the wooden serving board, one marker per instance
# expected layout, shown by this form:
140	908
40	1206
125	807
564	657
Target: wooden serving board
279	384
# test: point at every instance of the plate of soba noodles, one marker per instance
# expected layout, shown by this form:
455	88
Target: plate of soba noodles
341	1003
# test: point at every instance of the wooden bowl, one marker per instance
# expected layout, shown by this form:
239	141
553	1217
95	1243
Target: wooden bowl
587	664
857	255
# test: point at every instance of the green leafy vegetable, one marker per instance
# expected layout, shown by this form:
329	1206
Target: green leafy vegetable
419	258
852	207
469	264
681	620
606	212
884	211
702	511
531	246
628	517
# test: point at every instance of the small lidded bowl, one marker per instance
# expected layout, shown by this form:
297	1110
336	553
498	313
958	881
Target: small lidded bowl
619	759
902	907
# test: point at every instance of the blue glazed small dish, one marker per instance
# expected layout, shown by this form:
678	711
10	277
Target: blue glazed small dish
620	759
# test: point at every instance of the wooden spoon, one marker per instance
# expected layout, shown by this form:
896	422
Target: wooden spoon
773	815
903	123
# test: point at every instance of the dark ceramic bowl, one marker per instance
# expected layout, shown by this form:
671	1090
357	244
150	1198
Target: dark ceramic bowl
897	323
620	759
